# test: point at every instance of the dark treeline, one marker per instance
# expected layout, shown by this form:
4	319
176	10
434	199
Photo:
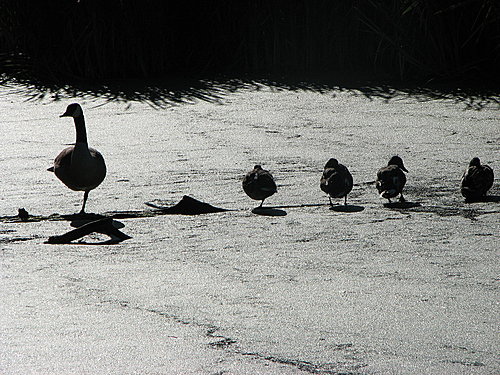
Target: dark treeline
400	40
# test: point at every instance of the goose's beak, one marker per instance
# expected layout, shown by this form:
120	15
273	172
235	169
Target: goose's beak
65	114
404	169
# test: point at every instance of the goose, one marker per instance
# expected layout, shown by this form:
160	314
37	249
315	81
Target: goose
79	167
336	180
477	180
259	184
391	179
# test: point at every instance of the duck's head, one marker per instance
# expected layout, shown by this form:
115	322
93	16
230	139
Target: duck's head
73	110
475	162
396	160
332	163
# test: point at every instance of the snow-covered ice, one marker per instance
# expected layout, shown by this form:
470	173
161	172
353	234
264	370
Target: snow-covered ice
377	291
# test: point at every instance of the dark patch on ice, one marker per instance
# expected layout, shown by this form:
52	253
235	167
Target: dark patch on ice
432	189
385	219
222	342
188	206
468	213
23	214
88	228
82	221
312	368
299	205
225	343
268	211
487	198
402	205
343	346
87	217
471	214
349	208
466	363
78	216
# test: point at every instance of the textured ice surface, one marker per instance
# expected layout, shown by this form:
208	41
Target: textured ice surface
378	291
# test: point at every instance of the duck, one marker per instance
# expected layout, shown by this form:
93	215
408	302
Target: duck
391	179
259	184
336	180
476	180
79	167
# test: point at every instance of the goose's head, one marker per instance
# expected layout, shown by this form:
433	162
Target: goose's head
257	166
396	160
73	110
475	162
332	163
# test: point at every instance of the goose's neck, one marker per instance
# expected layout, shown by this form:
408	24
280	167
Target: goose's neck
81	133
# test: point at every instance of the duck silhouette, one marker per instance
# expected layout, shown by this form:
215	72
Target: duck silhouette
259	184
336	180
476	180
391	179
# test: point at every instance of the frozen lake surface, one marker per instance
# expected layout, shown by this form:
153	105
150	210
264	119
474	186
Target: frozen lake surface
378	291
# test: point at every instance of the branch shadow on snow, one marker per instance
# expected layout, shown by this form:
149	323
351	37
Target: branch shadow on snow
168	92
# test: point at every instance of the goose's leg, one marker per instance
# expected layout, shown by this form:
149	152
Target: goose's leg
345	200
261	203
85	196
330	198
401	198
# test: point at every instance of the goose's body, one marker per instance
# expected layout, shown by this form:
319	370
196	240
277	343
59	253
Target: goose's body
391	179
477	180
79	167
336	180
259	184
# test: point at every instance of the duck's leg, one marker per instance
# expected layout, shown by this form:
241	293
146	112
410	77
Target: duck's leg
401	198
261	203
345	200
330	198
85	197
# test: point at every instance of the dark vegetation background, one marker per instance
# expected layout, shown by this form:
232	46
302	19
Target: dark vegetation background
418	41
